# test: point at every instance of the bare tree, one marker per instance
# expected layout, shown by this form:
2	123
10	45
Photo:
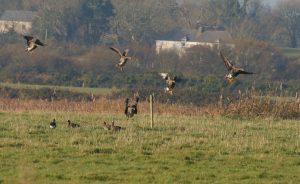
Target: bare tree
139	21
289	12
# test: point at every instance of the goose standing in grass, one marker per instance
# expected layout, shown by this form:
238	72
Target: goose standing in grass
170	82
123	57
233	71
32	43
131	110
73	125
106	126
53	124
115	128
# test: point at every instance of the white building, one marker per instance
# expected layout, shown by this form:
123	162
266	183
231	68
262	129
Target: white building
19	21
211	39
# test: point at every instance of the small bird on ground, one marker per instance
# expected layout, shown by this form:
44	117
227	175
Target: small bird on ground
131	110
233	70
73	125
123	57
32	43
53	124
170	82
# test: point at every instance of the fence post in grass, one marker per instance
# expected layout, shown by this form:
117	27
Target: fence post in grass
151	110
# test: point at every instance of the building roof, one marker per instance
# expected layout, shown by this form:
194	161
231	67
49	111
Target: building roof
12	15
213	36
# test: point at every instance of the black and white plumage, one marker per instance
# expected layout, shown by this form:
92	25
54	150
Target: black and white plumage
123	57
170	82
233	70
72	125
53	124
131	110
32	43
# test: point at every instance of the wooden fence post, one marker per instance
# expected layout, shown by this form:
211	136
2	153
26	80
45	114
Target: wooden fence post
151	110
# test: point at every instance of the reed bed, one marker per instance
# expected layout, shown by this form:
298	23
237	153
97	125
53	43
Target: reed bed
254	105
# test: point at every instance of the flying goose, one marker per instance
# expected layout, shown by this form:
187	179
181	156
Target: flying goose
53	124
32	43
130	110
170	82
233	70
123	57
72	125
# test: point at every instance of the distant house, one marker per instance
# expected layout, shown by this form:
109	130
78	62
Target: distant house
210	38
19	21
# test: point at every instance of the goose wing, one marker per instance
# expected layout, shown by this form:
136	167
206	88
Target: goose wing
245	72
165	76
27	38
38	42
125	52
116	50
226	61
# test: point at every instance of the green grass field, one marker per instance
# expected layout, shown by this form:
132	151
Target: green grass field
179	149
291	52
95	91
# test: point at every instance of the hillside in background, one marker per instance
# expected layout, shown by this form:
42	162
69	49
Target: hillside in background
79	34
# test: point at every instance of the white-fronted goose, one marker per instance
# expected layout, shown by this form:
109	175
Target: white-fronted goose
233	71
123	57
170	82
32	43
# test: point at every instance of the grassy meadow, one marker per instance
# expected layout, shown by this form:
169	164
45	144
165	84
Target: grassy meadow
181	148
291	52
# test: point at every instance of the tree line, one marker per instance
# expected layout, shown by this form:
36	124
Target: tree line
80	31
127	21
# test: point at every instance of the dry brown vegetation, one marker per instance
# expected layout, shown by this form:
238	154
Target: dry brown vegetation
101	105
255	105
247	105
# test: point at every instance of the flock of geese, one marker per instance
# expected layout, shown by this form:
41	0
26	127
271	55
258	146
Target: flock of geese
131	110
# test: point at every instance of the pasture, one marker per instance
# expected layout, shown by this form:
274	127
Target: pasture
181	148
291	52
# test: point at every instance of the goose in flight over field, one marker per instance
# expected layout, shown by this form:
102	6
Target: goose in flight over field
233	70
123	57
170	82
32	43
131	110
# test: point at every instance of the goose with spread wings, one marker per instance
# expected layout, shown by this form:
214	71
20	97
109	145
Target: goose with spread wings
233	70
123	57
170	82
32	43
131	110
